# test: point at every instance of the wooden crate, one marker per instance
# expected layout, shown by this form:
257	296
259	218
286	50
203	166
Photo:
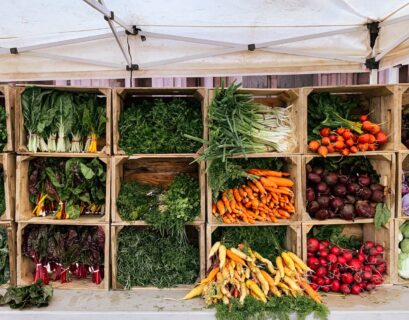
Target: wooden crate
8	164
120	95
24	207
103	143
382	104
196	234
26	266
278	98
292	242
7	102
397	279
158	170
11	234
294	168
364	231
383	163
402	98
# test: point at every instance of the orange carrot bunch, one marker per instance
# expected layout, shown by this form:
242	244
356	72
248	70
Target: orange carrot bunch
266	199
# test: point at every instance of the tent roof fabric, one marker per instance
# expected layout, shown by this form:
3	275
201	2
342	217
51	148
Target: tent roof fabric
71	39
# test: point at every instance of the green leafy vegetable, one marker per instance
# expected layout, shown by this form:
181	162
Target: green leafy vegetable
35	295
147	258
333	233
382	215
2	194
326	110
4	257
3	127
282	308
167	210
268	241
158	126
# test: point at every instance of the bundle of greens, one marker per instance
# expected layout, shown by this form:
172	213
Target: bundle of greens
67	188
34	295
147	258
4	257
333	233
330	111
64	119
62	252
3	127
268	241
2	194
167	210
240	126
158	126
226	175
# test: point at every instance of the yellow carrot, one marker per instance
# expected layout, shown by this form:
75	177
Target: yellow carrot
256	290
288	261
222	256
212	274
298	261
197	291
234	257
214	249
279	263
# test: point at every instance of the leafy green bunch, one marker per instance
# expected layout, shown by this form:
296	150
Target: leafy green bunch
3	127
158	126
4	257
34	295
148	258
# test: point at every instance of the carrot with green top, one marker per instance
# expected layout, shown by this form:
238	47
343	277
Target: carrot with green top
267	173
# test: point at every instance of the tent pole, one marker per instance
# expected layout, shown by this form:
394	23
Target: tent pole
373	76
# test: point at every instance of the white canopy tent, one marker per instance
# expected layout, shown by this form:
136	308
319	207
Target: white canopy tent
68	39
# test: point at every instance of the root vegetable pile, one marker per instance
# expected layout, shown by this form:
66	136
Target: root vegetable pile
268	196
61	253
343	270
237	273
350	191
331	130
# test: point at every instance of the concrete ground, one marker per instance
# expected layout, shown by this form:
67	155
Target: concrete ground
391	302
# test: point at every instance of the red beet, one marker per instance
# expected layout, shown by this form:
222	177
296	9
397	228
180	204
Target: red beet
342	179
337	203
350	199
314	178
365	193
335	285
347	212
331	178
377	196
310	194
353	188
322	187
312	245
313	207
323	200
318	170
364	209
322	214
340	190
364	180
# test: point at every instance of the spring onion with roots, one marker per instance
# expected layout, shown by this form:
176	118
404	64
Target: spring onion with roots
240	126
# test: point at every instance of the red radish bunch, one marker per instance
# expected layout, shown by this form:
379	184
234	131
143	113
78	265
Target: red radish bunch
343	270
346	141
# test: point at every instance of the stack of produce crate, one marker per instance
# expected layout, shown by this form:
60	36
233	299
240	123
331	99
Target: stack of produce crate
63	186
154	178
7	189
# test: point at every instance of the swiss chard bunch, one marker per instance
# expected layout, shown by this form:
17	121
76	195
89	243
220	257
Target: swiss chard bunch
34	295
167	210
4	257
67	188
158	126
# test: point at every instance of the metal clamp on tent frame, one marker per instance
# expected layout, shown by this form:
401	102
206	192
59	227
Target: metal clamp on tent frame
373	28
13	50
371	63
132	67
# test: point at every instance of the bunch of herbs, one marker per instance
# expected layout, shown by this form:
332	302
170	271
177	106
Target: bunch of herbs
158	126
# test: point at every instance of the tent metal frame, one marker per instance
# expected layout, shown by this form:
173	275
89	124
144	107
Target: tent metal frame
274	46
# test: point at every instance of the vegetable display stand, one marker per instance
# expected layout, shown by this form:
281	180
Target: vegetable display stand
27	268
63	119
377	102
157	172
361	232
32	207
167	273
8	179
293	167
259	238
385	166
9	229
7	102
126	99
278	98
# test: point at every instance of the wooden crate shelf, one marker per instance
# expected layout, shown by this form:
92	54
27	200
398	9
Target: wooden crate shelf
382	106
196	236
8	164
157	171
385	165
120	96
103	143
24	207
26	266
11	243
385	236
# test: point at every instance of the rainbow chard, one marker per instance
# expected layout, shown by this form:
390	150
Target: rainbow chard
65	120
